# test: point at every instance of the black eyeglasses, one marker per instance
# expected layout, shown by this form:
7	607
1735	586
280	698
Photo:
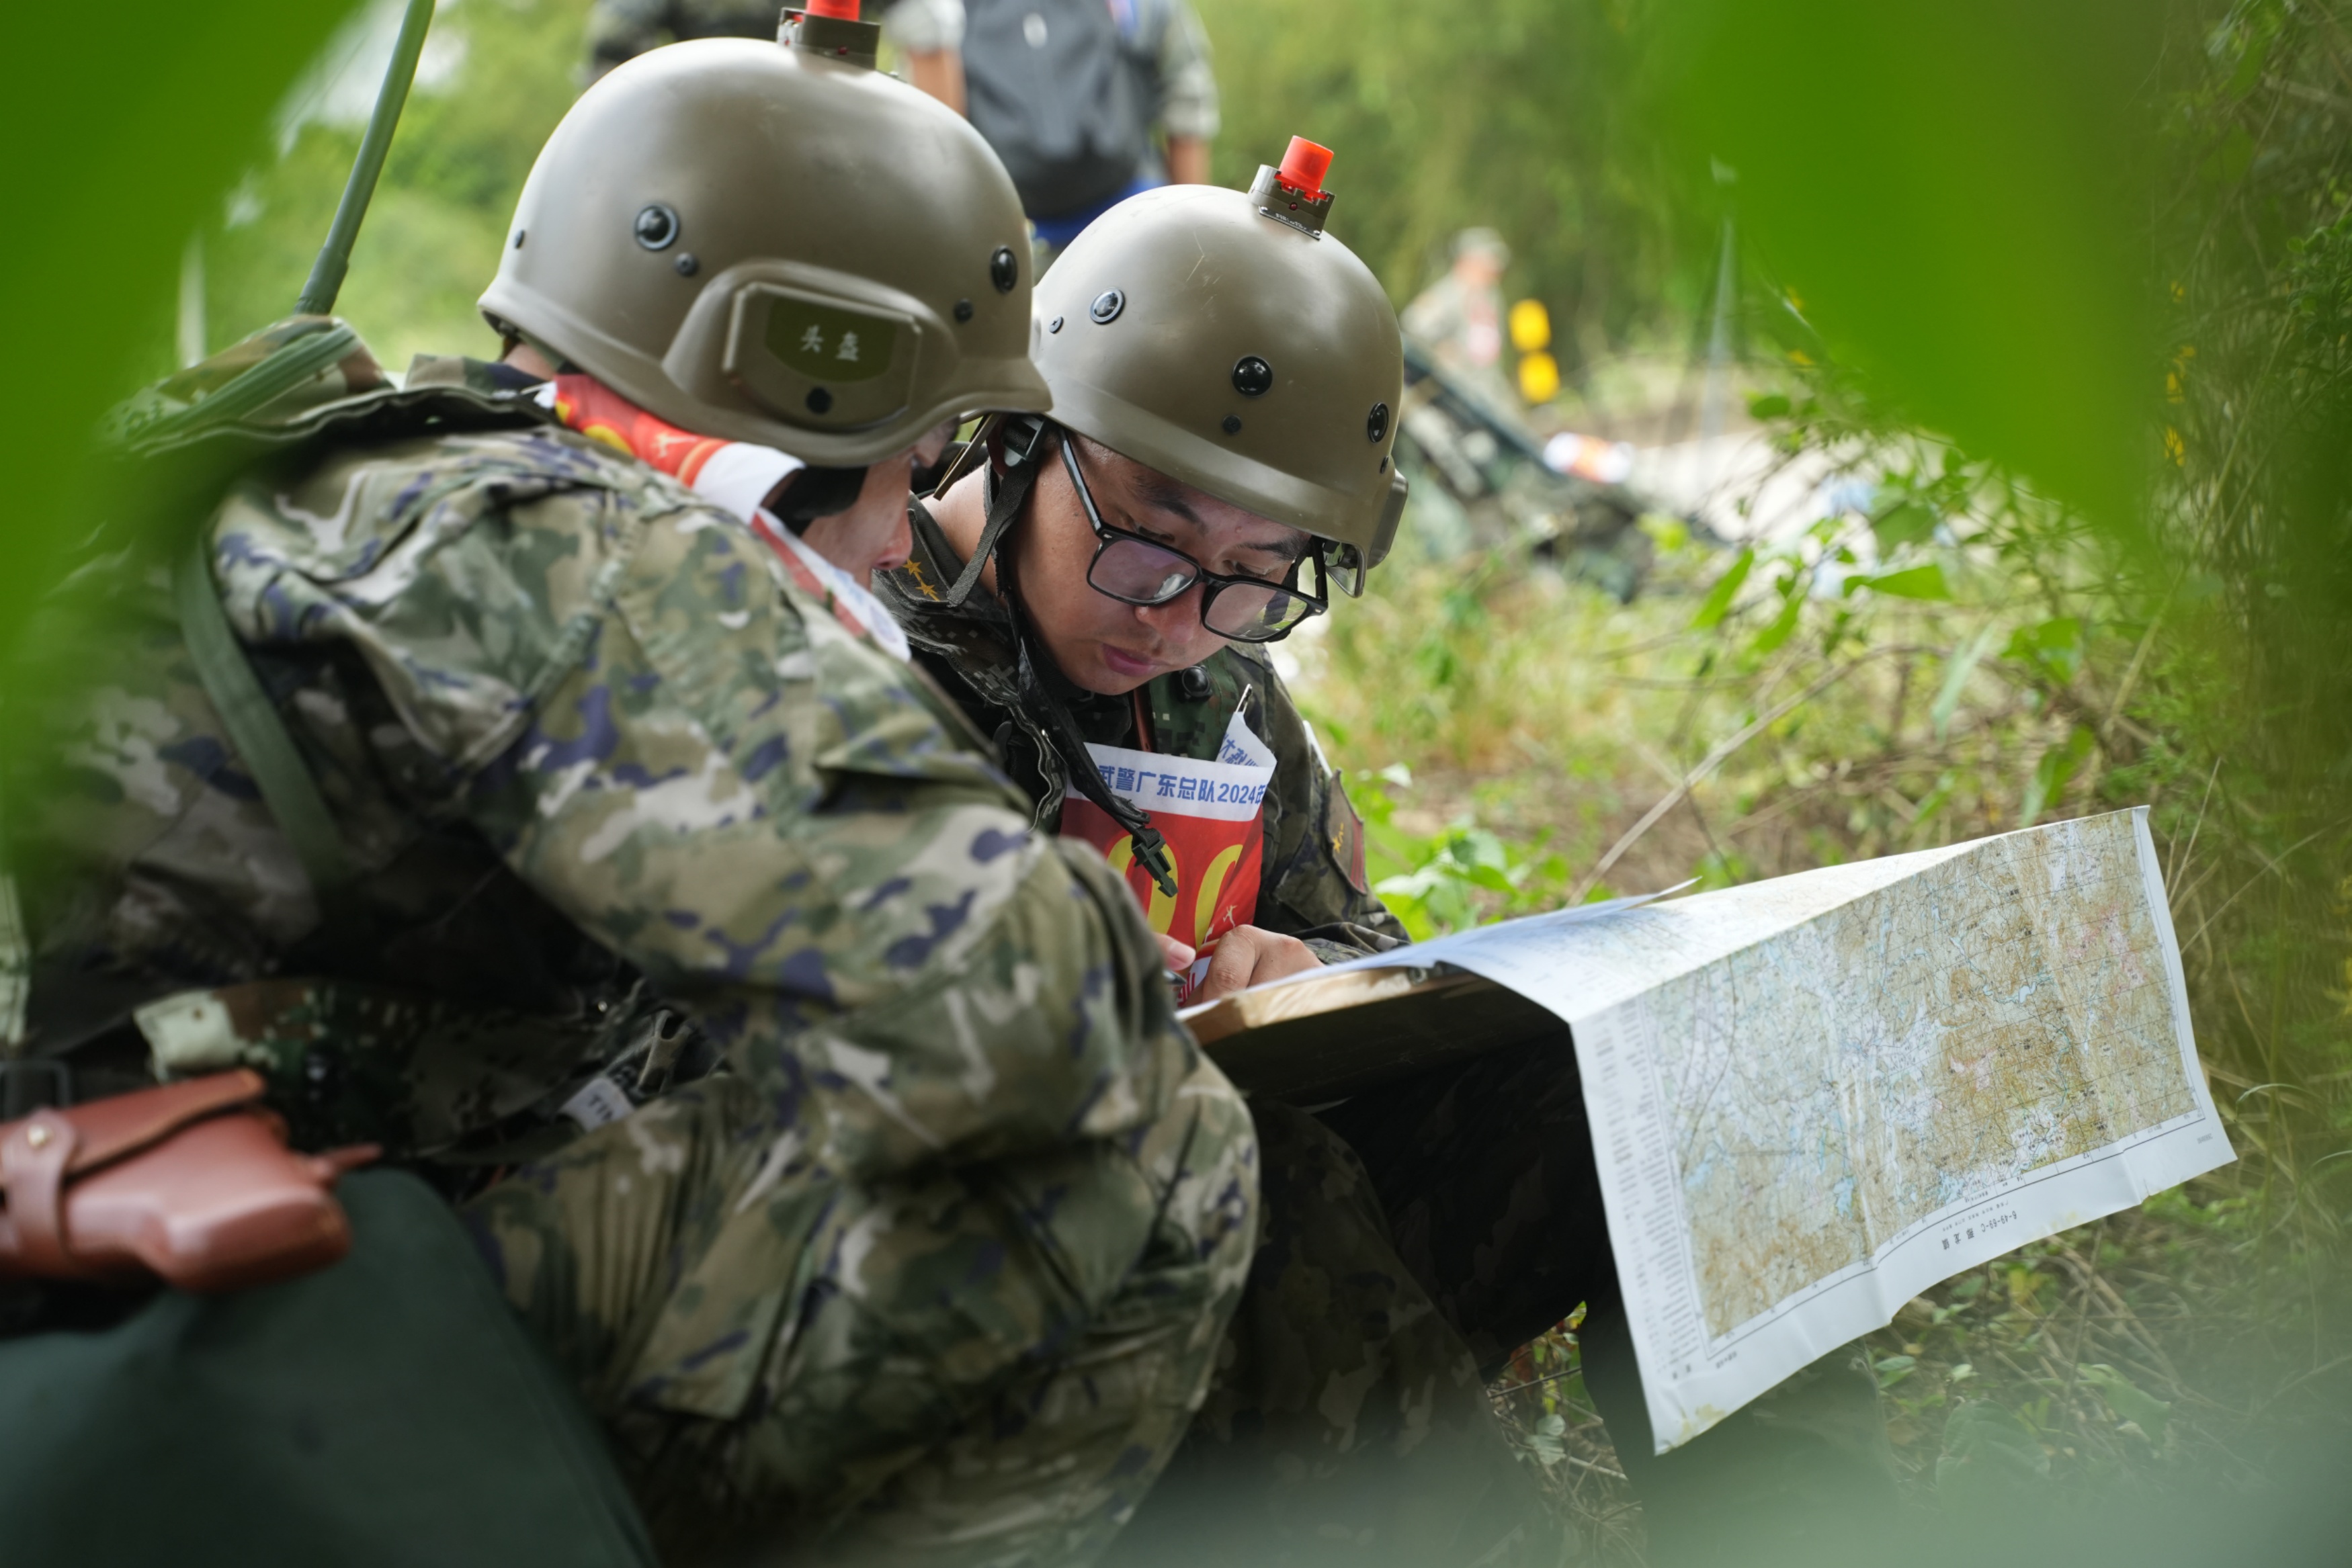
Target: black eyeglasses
1136	570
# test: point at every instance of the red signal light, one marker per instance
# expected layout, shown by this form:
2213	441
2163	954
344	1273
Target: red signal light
1304	166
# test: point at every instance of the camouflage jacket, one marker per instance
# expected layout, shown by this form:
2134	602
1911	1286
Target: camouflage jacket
1312	884
577	729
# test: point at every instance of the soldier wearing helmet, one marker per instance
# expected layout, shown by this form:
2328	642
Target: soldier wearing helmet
933	1269
1098	590
1101	591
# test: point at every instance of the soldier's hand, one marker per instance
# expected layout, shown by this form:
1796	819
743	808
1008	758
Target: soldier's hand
1174	954
1247	956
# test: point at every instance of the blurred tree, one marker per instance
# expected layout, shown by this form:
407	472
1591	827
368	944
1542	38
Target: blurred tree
1523	115
2254	237
1951	191
496	77
2102	256
122	123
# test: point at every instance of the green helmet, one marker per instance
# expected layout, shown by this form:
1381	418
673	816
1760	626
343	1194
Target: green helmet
775	244
1224	339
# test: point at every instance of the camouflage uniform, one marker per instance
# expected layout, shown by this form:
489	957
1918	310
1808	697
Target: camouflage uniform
1348	1418
1413	1238
934	1269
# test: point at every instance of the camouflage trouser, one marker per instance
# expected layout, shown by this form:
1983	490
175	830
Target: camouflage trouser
1460	1217
1347	1423
978	1365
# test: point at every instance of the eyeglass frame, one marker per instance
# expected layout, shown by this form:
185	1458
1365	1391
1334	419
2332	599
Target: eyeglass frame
1105	535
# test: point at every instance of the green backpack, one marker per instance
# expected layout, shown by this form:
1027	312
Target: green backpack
391	1410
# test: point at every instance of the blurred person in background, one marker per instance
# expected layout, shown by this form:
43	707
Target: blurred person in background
623	29
1087	101
1459	317
1090	101
925	34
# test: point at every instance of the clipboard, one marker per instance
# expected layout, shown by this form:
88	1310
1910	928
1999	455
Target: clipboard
1319	1039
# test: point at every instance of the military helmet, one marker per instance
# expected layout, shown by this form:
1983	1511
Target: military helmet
1226	340
775	244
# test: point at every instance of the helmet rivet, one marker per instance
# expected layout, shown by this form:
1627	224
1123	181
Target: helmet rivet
1232	424
1003	269
1106	307
1055	325
1376	423
1253	377
686	264
657	227
963	310
519	234
819	401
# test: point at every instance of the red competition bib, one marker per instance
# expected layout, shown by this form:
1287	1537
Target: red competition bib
599	412
1210	813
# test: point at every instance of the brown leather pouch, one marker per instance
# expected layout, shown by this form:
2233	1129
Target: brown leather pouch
191	1183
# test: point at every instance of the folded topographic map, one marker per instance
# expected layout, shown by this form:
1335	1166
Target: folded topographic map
1813	1097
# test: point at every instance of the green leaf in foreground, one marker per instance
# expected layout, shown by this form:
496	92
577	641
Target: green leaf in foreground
1957	670
1783	624
2128	1400
2058	765
1726	588
2053	648
1912	582
1909	523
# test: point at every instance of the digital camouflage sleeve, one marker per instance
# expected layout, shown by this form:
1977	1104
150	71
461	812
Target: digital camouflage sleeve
761	812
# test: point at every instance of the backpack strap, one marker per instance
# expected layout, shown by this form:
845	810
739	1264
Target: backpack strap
262	741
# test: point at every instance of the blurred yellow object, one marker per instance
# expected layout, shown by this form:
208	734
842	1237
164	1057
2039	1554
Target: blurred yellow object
1530	326
1539	373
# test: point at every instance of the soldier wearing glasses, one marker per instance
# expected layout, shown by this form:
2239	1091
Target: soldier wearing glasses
1216	463
1096	589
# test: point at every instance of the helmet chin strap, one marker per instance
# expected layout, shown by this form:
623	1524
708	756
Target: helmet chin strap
1024	436
1045	689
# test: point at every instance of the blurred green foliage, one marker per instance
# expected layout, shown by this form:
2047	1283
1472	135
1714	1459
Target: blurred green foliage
2066	291
500	74
122	125
1954	199
2060	305
1524	116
